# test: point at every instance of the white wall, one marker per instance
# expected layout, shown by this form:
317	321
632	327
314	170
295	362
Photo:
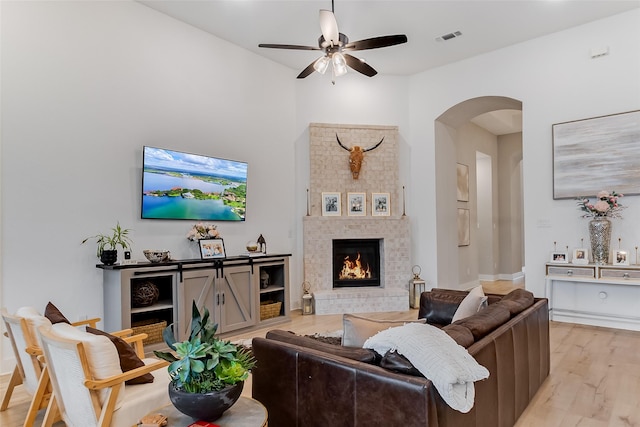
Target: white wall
84	86
557	81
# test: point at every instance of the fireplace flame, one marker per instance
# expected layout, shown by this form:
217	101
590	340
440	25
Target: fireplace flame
354	269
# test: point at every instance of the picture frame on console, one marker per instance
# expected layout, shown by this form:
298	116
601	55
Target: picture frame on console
580	256
560	257
212	248
621	257
380	204
357	204
331	204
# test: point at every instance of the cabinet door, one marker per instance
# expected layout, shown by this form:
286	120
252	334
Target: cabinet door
235	299
198	286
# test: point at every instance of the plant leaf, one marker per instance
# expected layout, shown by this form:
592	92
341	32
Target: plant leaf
169	357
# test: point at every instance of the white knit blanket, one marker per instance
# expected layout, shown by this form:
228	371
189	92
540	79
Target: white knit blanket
449	366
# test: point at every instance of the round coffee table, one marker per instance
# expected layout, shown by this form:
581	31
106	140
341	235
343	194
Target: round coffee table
246	412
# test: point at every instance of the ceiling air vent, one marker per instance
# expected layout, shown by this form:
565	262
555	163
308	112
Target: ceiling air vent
449	36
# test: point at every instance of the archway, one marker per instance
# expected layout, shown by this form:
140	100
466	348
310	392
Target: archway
494	248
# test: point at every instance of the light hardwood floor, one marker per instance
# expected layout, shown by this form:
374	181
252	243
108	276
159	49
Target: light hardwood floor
594	380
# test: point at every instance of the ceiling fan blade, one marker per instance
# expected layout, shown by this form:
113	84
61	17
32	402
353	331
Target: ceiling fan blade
307	71
376	42
288	46
329	27
359	65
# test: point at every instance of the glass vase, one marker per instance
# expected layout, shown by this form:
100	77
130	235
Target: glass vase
600	235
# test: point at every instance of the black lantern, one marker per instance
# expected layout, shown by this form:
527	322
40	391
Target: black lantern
262	244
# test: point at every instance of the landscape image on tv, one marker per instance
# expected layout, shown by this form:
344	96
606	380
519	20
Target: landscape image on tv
178	185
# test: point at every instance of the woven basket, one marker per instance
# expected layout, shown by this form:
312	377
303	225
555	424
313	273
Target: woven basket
152	327
269	309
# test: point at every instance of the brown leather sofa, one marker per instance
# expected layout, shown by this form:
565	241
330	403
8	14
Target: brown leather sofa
306	383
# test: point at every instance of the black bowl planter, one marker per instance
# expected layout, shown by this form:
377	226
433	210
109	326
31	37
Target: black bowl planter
205	406
109	257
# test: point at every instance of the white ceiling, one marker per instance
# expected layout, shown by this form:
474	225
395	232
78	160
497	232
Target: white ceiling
485	25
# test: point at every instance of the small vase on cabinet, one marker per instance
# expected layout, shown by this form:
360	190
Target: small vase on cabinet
600	236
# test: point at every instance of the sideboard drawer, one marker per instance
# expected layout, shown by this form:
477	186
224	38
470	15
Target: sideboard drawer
571	271
615	273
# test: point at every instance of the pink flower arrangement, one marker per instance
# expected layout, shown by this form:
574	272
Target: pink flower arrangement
203	231
607	205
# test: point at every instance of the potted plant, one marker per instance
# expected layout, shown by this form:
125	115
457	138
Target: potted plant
207	373
107	249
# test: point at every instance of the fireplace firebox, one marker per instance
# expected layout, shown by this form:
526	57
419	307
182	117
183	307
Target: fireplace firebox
356	262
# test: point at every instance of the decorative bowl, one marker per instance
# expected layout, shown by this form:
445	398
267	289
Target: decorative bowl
155	255
205	406
252	246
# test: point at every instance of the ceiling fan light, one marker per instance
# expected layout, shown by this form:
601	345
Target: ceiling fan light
321	64
339	64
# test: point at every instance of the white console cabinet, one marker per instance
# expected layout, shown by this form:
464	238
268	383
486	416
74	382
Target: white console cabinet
598	295
229	288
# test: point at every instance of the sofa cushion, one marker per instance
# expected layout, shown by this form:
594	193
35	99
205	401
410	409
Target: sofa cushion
129	360
470	304
485	320
460	334
439	305
517	300
398	363
357	329
360	354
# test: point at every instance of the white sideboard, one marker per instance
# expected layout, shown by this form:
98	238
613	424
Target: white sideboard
598	295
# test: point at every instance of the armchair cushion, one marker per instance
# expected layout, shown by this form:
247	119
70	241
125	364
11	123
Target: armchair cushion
101	354
52	313
34	321
128	358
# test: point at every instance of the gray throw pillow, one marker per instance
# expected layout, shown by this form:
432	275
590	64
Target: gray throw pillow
358	329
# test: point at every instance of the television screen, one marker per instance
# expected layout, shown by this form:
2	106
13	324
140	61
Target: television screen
178	185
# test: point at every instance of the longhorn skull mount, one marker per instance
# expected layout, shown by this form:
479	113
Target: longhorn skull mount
356	156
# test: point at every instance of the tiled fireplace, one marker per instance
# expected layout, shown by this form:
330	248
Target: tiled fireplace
356	263
330	172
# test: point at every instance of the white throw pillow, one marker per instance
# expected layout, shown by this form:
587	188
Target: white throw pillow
470	304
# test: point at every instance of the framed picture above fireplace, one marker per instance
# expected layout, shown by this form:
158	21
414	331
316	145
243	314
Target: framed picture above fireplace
331	204
380	204
356	204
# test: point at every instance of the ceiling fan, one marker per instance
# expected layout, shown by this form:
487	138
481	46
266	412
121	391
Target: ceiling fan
335	45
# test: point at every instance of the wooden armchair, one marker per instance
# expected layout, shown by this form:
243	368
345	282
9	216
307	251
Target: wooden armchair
29	369
88	386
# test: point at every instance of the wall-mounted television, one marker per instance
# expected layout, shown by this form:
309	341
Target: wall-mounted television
177	185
